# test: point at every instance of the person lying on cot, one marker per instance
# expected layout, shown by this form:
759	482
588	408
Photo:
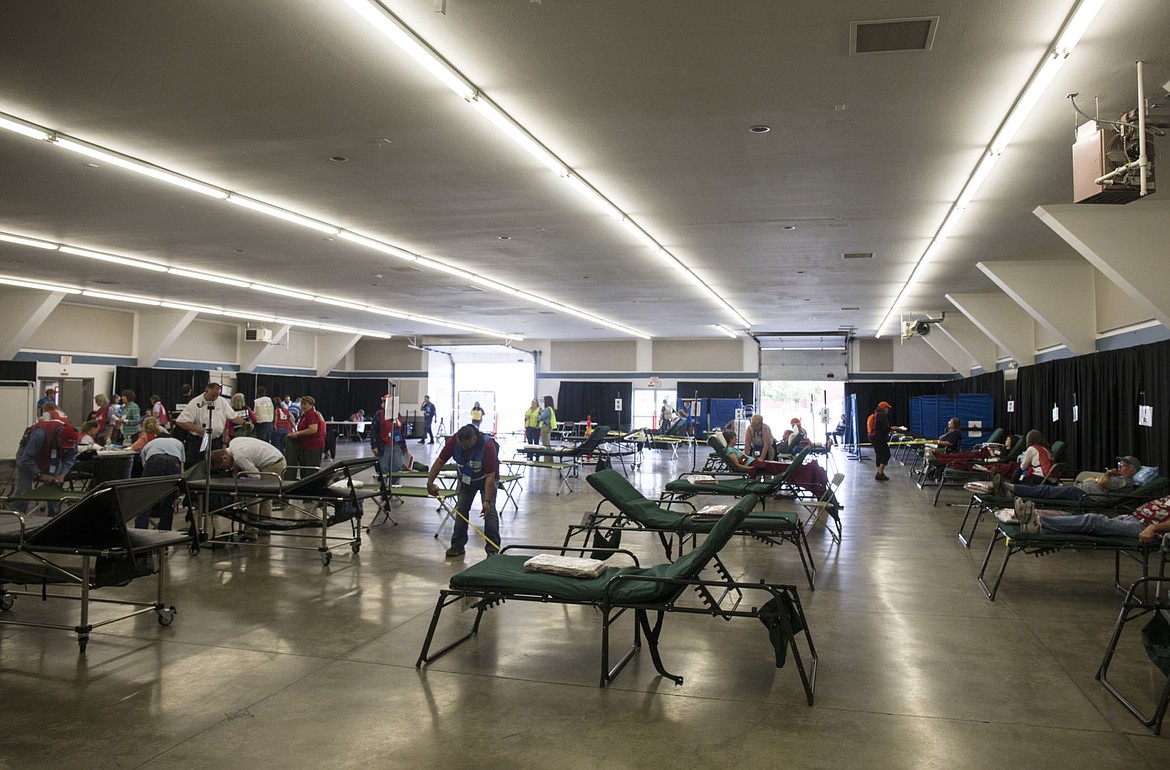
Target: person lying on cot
1147	523
752	466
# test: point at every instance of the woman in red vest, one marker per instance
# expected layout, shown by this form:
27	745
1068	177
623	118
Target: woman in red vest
310	436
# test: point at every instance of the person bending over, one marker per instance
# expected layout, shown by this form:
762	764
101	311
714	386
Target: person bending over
479	467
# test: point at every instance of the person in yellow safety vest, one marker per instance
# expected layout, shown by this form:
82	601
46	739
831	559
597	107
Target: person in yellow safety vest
532	423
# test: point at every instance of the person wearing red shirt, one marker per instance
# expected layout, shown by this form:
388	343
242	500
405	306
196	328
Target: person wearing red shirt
310	436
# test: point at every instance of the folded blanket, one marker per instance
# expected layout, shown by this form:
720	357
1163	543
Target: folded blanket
568	566
711	512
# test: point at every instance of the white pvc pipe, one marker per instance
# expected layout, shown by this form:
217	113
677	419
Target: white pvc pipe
1142	128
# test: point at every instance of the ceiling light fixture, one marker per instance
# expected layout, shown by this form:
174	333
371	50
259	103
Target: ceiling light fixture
138	167
28	242
125	261
281	292
1074	27
285	214
121	297
209	277
385	248
40	285
191	308
727	331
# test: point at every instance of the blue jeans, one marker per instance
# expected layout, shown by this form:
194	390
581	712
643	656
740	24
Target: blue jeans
160	465
277	438
264	432
1050	492
491	520
389	461
1093	524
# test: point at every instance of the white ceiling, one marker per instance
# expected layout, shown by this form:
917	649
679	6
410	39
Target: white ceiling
650	101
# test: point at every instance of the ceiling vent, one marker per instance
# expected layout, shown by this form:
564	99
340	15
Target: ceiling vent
892	35
857	255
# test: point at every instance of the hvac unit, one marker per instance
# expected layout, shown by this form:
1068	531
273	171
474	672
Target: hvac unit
257	335
1102	150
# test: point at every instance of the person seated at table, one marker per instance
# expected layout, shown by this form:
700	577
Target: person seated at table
150	431
1114	481
85	435
1146	523
757	439
358	416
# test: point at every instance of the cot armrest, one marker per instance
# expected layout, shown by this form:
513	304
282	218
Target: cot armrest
573	548
21	520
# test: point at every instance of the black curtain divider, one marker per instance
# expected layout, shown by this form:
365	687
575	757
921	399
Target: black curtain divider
735	389
367	394
21	371
578	400
337	398
897	394
167	384
1107	388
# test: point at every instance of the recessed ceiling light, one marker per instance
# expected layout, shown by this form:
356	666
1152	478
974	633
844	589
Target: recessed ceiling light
504	237
789	227
761	129
800	272
851	308
338	158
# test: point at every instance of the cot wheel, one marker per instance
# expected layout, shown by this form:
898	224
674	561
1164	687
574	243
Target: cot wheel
355	547
166	616
6	602
193	547
326	557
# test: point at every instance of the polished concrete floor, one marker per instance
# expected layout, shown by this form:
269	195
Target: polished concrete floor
277	661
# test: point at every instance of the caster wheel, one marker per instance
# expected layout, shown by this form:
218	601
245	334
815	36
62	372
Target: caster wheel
356	547
326	557
193	548
166	616
6	602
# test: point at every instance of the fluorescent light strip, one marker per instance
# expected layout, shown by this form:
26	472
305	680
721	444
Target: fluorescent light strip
727	331
339	303
403	37
192	308
1074	27
597	199
139	167
20	127
26	284
125	261
516	133
281	292
249	316
209	277
285	214
121	297
385	248
28	242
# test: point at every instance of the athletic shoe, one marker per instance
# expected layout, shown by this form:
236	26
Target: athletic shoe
997	485
1026	516
452	552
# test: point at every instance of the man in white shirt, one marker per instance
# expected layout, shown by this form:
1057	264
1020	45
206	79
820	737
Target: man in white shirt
251	457
199	420
265	413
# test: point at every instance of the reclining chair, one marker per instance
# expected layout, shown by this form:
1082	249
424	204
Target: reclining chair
641	590
772	528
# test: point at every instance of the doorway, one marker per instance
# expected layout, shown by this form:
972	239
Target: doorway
819	405
74	396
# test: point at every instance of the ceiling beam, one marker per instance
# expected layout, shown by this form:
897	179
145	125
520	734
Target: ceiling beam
1126	243
973	340
157	331
951	352
21	314
1059	294
331	348
1001	319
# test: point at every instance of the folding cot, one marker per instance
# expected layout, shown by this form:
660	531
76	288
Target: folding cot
686	487
1045	543
771	527
89	545
1149	599
643	591
332	495
985	503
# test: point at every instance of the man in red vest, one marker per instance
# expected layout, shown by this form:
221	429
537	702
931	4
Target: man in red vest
47	453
